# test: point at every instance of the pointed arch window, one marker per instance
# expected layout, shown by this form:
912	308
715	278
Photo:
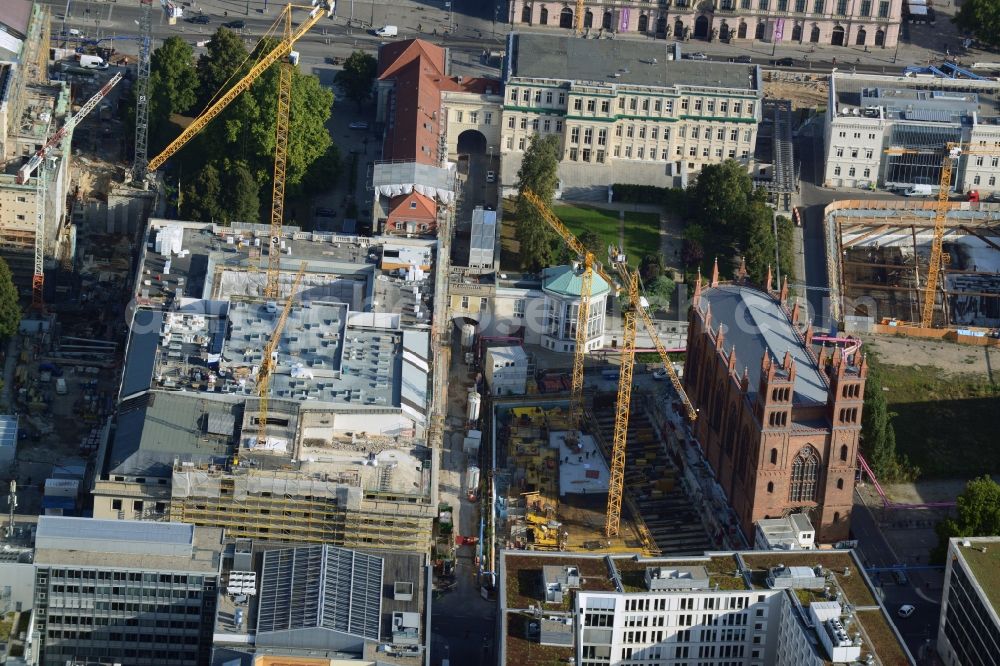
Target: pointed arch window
805	471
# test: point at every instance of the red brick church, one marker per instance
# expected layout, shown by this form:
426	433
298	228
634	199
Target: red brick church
779	425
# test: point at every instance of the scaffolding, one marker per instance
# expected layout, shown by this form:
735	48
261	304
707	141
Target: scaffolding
287	506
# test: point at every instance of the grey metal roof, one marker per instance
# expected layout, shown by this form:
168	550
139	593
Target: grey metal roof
754	322
619	61
114	536
161	426
321	587
140	358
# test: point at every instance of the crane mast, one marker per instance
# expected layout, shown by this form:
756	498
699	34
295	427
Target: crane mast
268	363
142	93
37	162
280	162
284	47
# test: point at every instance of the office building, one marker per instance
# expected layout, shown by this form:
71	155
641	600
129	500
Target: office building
624	111
891	131
125	592
779	426
969	626
872	23
724	608
322	602
343	458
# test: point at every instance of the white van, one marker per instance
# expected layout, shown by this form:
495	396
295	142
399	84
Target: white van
920	191
387	31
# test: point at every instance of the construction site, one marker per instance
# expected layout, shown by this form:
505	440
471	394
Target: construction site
880	259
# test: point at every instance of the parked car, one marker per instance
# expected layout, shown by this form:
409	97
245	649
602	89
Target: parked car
200	18
359	125
743	59
906	610
900	577
698	55
491	176
785	62
235	25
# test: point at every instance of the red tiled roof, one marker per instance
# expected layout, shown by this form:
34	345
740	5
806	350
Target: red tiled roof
417	69
400	208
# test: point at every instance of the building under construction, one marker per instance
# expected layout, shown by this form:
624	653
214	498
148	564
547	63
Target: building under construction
32	108
880	254
341	456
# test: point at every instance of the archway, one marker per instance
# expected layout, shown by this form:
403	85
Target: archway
701	27
724	31
678	29
837	37
606	21
880	37
862	38
566	18
526	14
588	19
643	25
543	17
741	32
471	142
797	33
759	32
814	35
661	26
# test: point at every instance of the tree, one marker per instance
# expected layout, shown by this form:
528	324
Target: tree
200	200
539	167
786	246
538	173
878	438
720	196
759	244
978	514
242	194
218	67
652	266
692	252
10	311
592	242
660	293
173	79
358	77
982	18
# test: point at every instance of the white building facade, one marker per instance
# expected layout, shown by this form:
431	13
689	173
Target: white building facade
891	132
624	112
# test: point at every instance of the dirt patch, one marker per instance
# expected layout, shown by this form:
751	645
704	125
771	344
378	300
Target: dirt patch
951	357
803	90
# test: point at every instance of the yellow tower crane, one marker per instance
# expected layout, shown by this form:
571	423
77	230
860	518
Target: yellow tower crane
583	313
632	311
953	152
270	360
282	50
279	53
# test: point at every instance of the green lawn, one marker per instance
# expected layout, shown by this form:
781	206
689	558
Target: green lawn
945	423
642	230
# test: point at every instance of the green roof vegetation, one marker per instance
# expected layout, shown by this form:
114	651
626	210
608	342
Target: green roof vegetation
853	584
521	650
723	571
882	638
985	567
524	584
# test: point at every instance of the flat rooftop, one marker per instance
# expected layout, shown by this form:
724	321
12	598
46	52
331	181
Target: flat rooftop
985	566
581	471
754	322
128	544
727	571
620	62
919	99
